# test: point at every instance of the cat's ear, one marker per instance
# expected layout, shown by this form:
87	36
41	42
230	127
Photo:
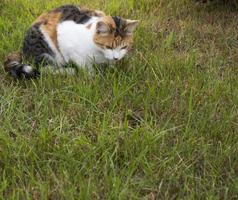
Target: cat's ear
131	26
102	28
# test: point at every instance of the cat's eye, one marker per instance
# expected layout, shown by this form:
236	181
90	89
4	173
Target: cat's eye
108	47
124	47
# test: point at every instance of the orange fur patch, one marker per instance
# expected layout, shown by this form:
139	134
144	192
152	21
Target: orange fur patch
113	42
49	23
13	57
110	22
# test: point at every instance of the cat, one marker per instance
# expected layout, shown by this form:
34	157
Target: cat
70	34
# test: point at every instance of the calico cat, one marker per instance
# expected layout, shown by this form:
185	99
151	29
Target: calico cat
71	34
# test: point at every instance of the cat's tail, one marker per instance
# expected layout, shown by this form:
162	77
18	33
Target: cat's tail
13	65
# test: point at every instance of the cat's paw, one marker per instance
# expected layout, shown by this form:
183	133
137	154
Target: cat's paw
24	71
34	73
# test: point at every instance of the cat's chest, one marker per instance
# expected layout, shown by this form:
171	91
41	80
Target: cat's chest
75	42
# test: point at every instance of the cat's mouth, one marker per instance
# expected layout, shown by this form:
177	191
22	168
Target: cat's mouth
113	60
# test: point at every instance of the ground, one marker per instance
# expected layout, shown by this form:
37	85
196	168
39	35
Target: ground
161	125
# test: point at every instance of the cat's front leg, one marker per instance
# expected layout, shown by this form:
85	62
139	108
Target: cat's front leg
87	65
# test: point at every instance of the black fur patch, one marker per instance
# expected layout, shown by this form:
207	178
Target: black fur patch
74	13
120	26
17	71
35	47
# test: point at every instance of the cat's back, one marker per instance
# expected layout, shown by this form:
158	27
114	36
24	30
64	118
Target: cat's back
68	13
50	21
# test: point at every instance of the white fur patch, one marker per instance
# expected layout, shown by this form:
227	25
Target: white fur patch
115	54
14	63
27	69
76	43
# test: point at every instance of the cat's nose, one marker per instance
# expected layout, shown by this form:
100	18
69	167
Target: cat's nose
115	58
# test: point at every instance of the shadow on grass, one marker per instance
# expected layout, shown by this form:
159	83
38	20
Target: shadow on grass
219	5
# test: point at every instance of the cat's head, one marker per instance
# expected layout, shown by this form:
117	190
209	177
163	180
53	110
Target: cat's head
114	36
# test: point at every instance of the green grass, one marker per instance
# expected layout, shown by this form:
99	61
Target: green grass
162	125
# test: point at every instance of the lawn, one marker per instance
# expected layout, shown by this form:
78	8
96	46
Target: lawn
162	125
